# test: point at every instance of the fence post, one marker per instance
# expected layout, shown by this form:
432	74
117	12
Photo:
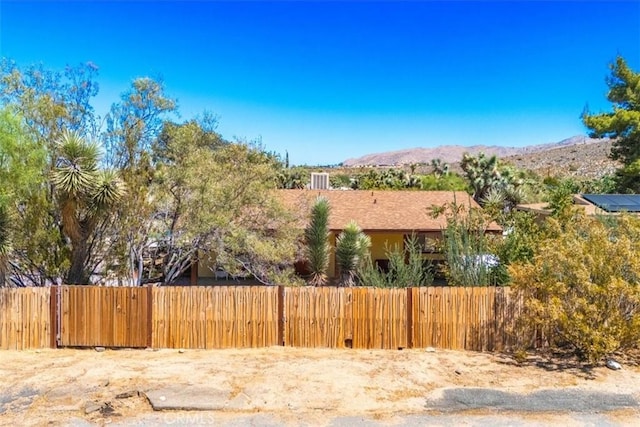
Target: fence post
193	277
280	336
53	316
149	316
409	317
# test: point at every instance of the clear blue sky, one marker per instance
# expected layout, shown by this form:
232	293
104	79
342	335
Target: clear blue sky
331	80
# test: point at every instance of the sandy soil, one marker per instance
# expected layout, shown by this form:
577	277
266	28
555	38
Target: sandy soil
52	386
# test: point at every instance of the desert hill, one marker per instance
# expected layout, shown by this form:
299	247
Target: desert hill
575	156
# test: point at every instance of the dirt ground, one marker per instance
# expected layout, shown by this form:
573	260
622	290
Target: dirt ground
53	386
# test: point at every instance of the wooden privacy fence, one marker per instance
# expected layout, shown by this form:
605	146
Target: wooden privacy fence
346	317
474	318
25	320
215	317
464	318
104	316
469	318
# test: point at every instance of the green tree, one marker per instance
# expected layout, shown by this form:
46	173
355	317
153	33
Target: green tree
216	199
581	287
352	247
50	102
134	123
318	249
622	124
21	173
520	239
560	197
493	182
133	126
482	173
46	103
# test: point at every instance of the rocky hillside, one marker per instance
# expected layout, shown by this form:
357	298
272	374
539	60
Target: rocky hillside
589	160
575	156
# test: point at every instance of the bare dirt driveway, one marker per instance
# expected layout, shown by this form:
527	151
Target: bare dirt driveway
275	386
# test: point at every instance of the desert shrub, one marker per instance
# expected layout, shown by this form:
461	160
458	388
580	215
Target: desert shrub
469	252
449	181
582	287
407	268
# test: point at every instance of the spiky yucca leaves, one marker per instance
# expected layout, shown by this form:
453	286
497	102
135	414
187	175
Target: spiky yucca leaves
109	189
317	240
75	179
85	195
352	246
76	168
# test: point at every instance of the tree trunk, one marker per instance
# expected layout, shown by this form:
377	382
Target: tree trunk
77	274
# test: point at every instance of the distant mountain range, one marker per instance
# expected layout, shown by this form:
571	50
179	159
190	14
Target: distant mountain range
453	153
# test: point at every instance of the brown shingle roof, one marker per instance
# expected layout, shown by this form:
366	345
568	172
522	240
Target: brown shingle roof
379	210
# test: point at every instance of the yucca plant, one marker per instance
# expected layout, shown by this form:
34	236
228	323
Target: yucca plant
317	242
352	246
86	196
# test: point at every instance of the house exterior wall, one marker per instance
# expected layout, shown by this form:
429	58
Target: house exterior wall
380	242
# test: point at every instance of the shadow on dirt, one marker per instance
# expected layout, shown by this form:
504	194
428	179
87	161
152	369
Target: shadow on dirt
565	361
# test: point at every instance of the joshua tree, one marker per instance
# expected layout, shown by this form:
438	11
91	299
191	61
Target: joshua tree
482	173
317	239
352	246
86	197
439	167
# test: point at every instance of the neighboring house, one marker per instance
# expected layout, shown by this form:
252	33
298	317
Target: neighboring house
591	204
387	217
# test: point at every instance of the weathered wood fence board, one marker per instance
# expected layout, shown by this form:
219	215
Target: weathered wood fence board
24	318
379	318
317	317
104	316
214	317
470	318
346	317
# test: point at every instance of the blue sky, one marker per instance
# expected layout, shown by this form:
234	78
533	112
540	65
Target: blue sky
326	81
